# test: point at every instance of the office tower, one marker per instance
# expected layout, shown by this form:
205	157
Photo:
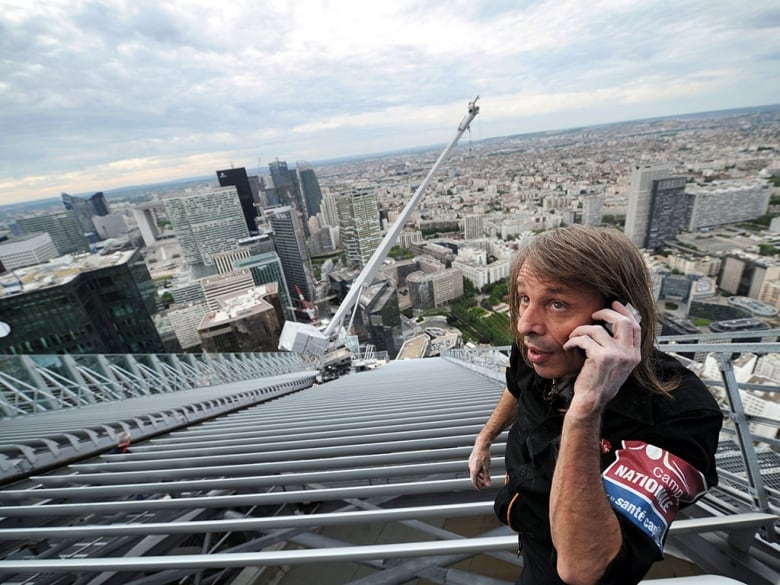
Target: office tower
206	222
294	255
310	187
640	200
65	231
288	191
85	209
359	224
283	183
246	321
93	304
329	214
247	195
667	212
27	251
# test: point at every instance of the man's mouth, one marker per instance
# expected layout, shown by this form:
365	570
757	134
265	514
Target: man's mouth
535	355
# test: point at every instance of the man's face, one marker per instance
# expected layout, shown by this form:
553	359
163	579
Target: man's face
549	311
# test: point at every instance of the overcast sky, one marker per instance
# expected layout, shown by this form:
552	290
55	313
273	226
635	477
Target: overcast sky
101	94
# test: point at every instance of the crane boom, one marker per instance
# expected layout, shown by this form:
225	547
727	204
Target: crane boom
379	255
305	338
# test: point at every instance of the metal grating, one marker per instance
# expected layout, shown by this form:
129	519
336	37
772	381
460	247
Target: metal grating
300	478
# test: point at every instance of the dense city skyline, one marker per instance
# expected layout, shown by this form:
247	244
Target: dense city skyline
102	95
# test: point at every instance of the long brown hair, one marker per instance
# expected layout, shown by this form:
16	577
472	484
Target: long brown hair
603	259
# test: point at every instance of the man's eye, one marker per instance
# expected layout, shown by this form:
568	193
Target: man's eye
557	305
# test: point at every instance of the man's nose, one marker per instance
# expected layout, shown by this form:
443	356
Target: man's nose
530	321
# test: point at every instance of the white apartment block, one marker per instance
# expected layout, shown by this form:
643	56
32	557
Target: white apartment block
473	227
482	275
447	286
407	238
725	202
27	251
592	209
688	264
768	366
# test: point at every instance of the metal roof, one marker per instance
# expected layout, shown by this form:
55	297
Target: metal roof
360	480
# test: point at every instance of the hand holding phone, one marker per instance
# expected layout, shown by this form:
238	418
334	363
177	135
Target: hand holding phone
631	309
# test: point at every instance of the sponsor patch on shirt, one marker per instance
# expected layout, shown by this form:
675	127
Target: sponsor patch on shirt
646	485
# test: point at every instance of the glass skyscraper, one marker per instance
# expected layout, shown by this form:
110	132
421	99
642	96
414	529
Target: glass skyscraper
238	178
310	186
293	253
100	305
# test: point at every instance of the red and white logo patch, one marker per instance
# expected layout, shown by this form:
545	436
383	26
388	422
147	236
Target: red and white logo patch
646	485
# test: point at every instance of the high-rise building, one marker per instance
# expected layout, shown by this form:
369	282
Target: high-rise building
329	214
206	222
640	199
247	195
667	212
85	209
310	187
27	251
359	224
294	255
65	231
285	183
92	304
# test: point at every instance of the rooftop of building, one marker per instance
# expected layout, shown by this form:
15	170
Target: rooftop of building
240	305
59	271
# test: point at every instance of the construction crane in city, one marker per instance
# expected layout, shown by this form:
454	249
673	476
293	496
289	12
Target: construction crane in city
328	344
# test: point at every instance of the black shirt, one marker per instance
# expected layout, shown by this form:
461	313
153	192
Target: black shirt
657	455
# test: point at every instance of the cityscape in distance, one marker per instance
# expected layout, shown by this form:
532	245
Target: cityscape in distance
220	262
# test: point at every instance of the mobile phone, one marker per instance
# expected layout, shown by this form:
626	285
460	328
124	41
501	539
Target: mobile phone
631	309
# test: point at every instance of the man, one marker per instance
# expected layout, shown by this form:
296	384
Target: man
610	436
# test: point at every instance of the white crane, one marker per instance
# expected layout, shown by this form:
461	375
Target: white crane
304	338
